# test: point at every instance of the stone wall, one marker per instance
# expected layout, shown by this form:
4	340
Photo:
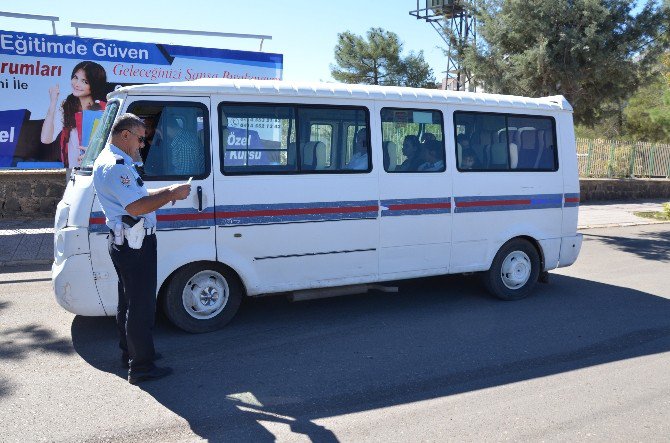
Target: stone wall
33	194
602	189
36	193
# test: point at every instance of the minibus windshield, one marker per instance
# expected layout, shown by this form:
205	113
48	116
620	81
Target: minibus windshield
99	139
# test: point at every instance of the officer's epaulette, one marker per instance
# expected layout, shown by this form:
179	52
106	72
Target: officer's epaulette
119	159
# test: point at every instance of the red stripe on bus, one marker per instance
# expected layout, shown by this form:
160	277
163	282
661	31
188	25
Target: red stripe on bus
190	216
295	211
410	206
167	217
492	203
572	199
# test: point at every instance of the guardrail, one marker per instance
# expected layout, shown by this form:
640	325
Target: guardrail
619	159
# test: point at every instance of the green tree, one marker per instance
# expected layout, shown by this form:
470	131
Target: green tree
648	113
594	52
377	60
661	115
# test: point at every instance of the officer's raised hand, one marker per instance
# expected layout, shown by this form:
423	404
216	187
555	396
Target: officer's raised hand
180	192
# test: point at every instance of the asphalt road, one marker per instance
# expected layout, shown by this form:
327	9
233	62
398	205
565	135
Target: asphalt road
585	358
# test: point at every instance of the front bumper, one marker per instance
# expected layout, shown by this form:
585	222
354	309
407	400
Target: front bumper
74	286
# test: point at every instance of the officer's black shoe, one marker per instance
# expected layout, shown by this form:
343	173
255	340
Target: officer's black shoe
154	374
126	365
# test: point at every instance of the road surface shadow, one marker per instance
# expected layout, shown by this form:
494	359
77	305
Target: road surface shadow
295	363
17	343
654	246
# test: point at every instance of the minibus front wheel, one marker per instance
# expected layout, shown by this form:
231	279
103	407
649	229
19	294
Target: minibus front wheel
202	297
514	271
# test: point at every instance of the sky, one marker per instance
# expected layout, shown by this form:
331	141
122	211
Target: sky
305	32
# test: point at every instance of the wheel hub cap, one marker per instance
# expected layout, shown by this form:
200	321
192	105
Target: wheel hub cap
516	270
205	295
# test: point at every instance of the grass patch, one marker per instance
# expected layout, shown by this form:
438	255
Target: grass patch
662	216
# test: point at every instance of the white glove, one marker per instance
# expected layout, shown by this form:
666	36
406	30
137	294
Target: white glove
135	235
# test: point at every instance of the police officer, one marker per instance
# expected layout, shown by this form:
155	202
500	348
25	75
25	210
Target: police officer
129	212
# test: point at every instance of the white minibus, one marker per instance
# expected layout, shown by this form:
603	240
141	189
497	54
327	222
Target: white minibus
320	189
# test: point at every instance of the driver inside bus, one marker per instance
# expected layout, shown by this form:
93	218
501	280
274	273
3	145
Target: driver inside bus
187	154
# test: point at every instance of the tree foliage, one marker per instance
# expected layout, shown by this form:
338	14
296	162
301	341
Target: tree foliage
648	113
594	52
377	60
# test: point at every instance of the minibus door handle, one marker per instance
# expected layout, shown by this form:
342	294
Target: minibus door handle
199	198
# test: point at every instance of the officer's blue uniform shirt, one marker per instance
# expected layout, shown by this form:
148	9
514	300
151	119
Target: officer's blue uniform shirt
118	184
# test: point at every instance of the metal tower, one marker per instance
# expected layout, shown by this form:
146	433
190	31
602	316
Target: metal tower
457	27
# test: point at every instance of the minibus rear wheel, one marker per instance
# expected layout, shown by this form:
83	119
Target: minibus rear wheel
202	297
514	271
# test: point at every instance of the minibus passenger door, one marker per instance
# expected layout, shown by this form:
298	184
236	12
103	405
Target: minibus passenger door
415	193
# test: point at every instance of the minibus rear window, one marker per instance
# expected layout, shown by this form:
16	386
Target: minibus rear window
487	141
99	139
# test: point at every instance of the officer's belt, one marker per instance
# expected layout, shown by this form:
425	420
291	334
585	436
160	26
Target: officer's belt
147	231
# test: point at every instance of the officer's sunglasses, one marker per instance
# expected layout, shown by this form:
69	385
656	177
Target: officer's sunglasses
142	139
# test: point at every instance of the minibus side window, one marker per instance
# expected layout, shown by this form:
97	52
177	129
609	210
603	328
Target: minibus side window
257	138
285	139
413	140
504	142
536	145
99	139
481	142
177	140
350	153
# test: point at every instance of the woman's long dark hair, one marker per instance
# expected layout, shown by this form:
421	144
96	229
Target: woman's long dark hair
97	79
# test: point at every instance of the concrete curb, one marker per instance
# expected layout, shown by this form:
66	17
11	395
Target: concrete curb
622	225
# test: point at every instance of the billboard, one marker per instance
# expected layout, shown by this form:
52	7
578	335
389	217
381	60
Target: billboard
53	88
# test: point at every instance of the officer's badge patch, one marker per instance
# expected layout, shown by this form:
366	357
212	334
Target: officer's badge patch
125	180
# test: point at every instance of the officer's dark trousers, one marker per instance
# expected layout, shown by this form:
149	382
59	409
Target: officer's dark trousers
136	311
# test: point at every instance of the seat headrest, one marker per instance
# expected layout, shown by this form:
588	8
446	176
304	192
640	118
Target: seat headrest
486	138
320	155
390	151
527	139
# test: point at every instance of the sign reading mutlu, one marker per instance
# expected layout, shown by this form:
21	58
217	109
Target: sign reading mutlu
53	88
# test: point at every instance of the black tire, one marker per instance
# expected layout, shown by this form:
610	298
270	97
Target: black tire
206	280
522	254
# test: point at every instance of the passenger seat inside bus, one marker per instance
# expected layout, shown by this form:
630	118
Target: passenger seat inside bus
483	148
498	156
313	155
545	156
528	149
390	151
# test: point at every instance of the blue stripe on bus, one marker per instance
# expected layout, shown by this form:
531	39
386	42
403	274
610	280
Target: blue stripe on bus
236	215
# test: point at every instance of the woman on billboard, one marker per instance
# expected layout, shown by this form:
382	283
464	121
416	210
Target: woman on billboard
88	82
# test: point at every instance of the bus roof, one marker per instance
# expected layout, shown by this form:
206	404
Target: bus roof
340	90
